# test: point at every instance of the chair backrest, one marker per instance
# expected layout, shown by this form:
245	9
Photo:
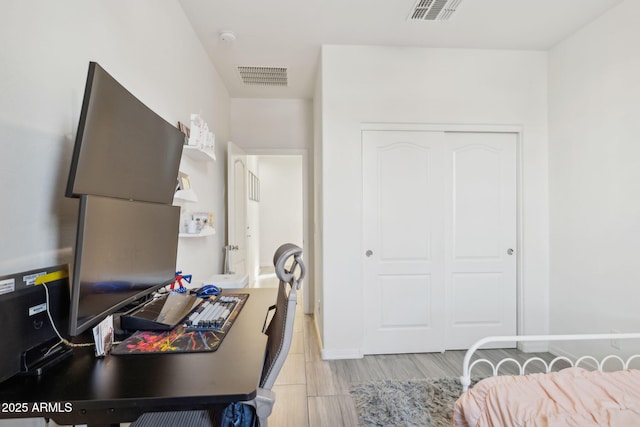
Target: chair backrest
290	270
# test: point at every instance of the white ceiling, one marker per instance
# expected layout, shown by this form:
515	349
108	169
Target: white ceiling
289	33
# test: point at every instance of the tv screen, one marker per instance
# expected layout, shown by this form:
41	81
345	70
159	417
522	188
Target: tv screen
124	251
122	148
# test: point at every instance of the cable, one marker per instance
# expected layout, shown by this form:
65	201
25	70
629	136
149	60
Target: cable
53	325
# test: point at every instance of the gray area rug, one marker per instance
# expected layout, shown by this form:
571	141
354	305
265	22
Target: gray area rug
424	403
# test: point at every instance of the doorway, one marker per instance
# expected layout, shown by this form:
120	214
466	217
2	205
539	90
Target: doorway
277	200
276	212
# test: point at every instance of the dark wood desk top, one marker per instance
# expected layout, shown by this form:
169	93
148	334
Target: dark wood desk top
120	388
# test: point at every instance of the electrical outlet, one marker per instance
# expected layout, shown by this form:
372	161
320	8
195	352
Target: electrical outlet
615	343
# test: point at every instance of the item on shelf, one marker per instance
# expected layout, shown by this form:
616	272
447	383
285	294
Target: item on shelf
196	222
184	129
200	135
184	182
183	188
203	219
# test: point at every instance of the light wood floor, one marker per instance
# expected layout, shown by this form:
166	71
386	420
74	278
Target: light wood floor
312	392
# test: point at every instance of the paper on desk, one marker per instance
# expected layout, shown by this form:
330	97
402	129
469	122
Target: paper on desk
103	336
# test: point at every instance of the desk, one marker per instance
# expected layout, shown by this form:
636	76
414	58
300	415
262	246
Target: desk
87	390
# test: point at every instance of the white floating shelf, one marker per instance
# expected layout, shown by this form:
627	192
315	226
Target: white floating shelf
187	195
197	153
206	231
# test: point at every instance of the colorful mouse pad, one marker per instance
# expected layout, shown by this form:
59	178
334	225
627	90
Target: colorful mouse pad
179	340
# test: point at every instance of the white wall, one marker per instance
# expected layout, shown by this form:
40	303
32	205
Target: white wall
317	232
410	85
271	123
280	204
45	49
594	175
253	228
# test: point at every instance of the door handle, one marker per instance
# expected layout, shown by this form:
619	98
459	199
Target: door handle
509	251
368	253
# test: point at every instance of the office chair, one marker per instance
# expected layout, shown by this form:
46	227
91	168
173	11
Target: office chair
290	270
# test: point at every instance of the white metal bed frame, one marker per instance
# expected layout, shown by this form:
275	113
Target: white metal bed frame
465	379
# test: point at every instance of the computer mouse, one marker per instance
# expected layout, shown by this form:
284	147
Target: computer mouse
207	291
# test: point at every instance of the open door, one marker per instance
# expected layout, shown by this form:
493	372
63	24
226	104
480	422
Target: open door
237	208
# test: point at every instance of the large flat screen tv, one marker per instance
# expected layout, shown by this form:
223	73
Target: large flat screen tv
125	250
122	149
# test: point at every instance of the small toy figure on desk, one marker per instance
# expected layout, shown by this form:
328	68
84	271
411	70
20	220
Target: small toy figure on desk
179	277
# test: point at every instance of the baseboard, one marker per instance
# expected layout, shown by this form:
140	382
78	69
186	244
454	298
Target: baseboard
328	354
317	329
560	352
534	347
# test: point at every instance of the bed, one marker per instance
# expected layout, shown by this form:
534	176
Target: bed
585	393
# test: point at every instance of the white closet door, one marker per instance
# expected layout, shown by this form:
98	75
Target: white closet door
439	231
403	241
480	236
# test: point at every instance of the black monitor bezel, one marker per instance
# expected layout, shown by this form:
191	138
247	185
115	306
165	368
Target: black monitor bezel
75	327
171	145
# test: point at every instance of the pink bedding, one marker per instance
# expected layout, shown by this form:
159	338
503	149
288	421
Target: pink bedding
571	397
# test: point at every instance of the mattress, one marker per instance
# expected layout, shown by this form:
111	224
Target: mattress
571	397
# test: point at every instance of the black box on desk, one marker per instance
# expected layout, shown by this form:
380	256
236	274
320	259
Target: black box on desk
27	334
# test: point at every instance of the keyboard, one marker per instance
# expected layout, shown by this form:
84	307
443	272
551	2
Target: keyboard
202	329
212	314
159	314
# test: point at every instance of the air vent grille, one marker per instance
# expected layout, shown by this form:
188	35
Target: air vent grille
263	76
434	10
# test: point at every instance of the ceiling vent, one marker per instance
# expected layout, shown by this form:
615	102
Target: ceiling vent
434	10
263	76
